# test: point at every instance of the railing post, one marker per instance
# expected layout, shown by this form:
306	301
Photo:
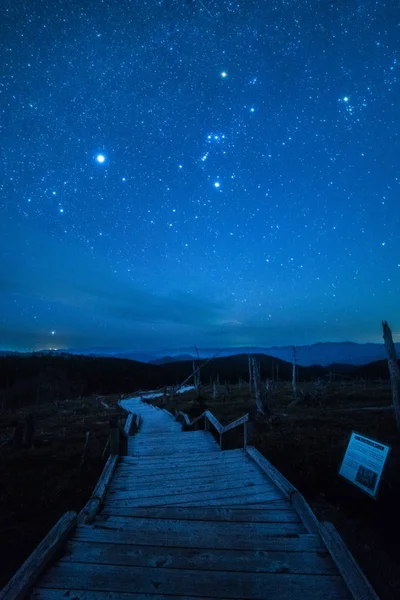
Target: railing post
220	441
206	424
245	434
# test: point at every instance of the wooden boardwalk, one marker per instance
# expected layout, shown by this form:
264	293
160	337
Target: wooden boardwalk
183	519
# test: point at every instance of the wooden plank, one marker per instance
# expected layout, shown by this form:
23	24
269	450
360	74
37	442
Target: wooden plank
205	538
132	485
89	511
139	449
142	463
271	505
199	434
319	563
280	481
260	492
183	471
223	456
196	528
238	515
220	498
355	579
201	583
223	500
306	514
298	501
188	487
183	480
128	424
34	565
214	421
76	594
236	423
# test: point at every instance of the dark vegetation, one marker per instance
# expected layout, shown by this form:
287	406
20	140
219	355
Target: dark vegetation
36	378
66	395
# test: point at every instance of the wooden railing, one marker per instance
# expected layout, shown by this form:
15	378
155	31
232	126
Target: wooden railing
210	418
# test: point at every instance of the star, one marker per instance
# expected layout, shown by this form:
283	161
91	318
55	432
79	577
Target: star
217	184
100	158
224	74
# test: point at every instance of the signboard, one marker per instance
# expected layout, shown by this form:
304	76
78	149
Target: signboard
363	463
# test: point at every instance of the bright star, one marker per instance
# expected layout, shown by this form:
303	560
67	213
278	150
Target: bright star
217	184
252	109
345	99
224	74
100	158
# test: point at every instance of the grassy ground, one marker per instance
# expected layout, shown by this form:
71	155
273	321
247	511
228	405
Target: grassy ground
39	484
307	443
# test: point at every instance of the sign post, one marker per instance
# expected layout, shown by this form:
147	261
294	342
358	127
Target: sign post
363	463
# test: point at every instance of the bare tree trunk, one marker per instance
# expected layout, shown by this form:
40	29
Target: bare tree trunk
393	370
259	393
294	374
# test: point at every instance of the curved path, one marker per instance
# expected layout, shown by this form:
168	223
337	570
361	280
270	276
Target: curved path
183	519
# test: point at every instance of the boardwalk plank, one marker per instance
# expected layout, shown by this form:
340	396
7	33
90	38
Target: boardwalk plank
234	496
207	538
190	487
140	525
238	515
76	594
201	583
180	481
251	561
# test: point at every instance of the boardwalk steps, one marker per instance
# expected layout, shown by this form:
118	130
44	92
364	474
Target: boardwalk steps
180	518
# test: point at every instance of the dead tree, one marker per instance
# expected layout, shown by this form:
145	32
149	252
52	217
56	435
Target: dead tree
196	378
294	388
259	392
393	370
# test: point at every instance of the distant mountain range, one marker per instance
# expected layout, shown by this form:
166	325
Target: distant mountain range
323	354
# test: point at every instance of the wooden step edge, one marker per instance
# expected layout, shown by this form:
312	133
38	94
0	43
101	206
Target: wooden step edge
297	500
357	583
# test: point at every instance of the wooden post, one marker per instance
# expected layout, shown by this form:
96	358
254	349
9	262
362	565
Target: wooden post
85	449
114	436
393	370
245	434
220	441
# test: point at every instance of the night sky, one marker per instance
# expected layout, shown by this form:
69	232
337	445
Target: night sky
210	172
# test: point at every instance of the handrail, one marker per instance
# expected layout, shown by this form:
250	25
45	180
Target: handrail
210	418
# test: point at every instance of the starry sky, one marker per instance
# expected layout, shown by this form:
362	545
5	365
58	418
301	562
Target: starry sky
210	172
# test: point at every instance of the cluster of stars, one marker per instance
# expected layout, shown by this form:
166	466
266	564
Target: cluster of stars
241	152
